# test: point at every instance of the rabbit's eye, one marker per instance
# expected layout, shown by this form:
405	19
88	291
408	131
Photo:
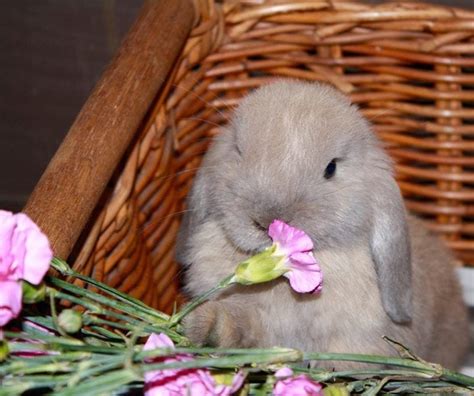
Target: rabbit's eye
330	170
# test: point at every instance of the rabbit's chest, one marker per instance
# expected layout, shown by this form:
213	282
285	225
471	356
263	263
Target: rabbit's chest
350	284
348	304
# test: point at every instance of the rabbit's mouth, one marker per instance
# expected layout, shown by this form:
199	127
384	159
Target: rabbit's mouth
248	239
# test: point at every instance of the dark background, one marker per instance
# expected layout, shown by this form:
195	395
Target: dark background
52	52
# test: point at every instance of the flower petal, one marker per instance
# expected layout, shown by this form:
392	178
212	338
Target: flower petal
298	386
290	239
284	372
158	341
157	391
237	382
304	260
7	226
228	384
10	301
305	275
38	254
175	382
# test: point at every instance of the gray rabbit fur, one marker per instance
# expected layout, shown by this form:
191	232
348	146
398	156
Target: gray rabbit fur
384	273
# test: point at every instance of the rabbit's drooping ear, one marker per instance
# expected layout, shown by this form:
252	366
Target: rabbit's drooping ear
391	252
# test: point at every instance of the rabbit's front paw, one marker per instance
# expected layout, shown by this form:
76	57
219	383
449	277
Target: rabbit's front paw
213	325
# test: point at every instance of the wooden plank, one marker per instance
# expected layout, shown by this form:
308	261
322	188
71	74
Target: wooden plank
74	180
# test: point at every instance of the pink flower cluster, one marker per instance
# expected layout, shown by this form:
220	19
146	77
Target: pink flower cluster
199	381
177	382
25	254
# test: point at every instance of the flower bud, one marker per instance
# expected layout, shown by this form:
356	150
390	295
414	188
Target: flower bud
33	293
262	267
70	321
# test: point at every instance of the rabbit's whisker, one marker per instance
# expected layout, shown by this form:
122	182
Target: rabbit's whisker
205	121
202	99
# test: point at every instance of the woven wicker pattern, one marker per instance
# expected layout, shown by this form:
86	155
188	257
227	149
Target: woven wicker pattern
408	66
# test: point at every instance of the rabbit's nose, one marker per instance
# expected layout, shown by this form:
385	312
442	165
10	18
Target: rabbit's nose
264	221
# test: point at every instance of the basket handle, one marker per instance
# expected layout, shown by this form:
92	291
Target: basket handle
77	175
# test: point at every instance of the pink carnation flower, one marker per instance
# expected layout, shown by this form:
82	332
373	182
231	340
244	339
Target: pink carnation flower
177	382
25	253
303	270
287	385
290	256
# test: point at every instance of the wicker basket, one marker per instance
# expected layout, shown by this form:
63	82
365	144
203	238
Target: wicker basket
112	196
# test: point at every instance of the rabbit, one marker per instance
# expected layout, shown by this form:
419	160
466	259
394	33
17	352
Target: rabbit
302	153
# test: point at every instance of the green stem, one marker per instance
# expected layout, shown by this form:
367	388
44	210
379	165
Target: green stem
287	356
176	337
101	385
324	375
100	299
94	308
90	305
65	269
235	351
82	370
458	378
51	367
102	334
54	314
433	370
35	381
90	372
177	317
399	384
44	338
14	390
43	321
372	359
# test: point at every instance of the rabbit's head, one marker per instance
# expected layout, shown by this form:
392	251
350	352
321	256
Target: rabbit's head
301	153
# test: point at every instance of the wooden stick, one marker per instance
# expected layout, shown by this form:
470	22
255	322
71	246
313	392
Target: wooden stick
76	177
